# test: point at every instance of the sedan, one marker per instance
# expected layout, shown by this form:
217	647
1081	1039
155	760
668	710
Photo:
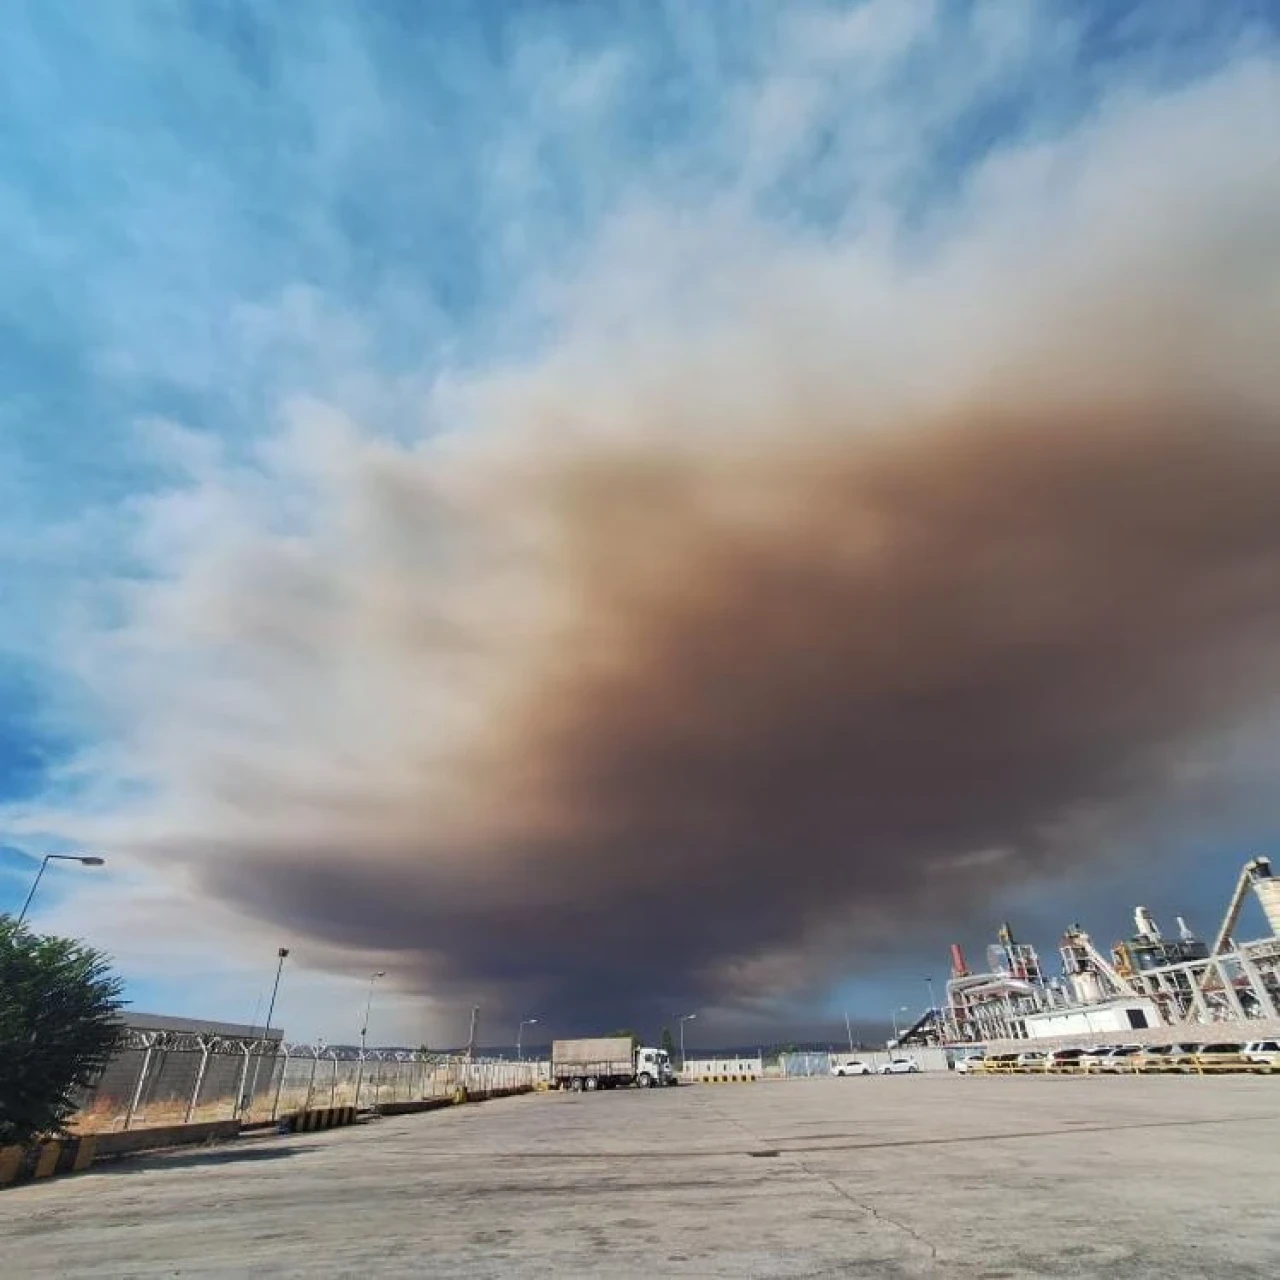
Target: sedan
850	1067
899	1067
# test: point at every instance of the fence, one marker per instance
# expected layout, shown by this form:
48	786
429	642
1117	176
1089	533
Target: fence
800	1065
172	1077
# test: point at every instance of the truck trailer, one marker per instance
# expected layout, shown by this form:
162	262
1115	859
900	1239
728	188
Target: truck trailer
608	1062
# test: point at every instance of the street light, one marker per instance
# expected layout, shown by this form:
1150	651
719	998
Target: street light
364	1032
525	1022
897	1035
84	859
682	1019
368	1005
247	1101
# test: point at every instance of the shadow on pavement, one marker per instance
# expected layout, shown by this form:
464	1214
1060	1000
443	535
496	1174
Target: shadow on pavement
229	1153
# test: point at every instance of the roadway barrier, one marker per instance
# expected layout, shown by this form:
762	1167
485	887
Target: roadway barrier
313	1119
44	1159
728	1079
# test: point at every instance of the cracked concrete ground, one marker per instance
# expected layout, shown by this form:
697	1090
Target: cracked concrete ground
903	1176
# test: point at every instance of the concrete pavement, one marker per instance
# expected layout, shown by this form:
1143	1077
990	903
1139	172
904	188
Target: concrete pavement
904	1176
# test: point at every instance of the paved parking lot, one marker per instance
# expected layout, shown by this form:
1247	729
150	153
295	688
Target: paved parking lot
905	1176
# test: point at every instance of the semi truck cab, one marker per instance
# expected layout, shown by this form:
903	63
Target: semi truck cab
653	1067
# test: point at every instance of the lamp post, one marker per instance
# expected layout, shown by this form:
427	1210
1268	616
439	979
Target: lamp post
364	1031
848	1029
897	1035
683	1018
84	859
368	1006
524	1022
281	956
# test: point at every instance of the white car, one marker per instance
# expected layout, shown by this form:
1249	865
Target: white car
899	1067
1264	1054
969	1065
850	1067
1113	1057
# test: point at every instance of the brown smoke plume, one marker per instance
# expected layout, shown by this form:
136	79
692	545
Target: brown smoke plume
724	649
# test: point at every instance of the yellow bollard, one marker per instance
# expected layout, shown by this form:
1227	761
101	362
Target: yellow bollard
47	1160
10	1163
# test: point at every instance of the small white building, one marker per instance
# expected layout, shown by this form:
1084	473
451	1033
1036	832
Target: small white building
1095	1019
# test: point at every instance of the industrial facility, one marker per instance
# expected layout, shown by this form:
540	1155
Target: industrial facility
1148	981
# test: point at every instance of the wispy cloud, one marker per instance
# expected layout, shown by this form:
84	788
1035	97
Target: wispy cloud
592	493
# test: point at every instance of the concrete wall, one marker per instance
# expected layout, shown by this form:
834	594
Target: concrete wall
119	1144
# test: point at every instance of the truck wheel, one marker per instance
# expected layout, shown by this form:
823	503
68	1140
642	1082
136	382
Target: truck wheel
575	1085
644	1080
591	1083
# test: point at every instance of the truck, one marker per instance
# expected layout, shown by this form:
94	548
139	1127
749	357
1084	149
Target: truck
608	1062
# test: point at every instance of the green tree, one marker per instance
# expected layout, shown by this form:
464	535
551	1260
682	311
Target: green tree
59	1025
668	1044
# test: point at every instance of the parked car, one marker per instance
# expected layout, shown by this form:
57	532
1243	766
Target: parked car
1031	1060
1263	1053
1115	1057
1162	1057
1219	1057
1000	1062
899	1067
969	1065
1064	1060
850	1067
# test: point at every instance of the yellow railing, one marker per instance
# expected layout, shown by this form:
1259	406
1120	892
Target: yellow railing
1181	1066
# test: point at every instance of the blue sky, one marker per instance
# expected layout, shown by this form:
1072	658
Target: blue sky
213	212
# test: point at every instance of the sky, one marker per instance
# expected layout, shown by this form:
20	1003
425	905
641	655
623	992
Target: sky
603	510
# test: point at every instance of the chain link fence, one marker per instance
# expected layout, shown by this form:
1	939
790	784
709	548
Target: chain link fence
176	1077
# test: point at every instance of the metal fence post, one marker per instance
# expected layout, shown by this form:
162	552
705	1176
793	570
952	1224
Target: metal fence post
244	1076
311	1080
142	1075
284	1070
205	1046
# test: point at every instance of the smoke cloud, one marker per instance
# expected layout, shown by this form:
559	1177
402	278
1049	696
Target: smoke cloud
804	591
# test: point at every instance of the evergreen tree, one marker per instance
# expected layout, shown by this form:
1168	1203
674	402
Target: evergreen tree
59	1026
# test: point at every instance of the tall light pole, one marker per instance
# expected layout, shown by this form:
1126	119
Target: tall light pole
368	1006
84	859
524	1022
281	956
848	1029
897	1035
936	1020
364	1032
683	1018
